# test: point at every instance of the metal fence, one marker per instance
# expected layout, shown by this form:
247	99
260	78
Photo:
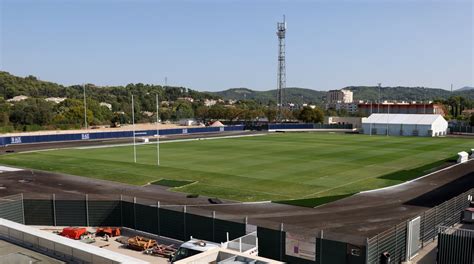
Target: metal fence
111	135
455	245
11	208
286	243
462	129
394	240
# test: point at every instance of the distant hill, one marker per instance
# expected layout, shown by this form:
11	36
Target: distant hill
465	88
405	93
293	95
303	95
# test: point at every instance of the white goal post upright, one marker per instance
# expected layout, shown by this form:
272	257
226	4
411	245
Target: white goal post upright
157	133
134	141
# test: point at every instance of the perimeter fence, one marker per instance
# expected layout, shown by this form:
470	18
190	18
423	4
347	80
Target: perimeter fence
455	245
403	241
288	243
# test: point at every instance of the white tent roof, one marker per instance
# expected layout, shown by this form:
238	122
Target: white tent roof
217	124
412	119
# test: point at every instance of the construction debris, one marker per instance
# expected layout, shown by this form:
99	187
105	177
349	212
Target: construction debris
109	231
162	250
141	243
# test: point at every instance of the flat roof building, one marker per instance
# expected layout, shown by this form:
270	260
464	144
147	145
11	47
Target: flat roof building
368	108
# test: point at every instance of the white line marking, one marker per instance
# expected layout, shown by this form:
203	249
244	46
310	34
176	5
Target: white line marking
416	179
169	141
8	169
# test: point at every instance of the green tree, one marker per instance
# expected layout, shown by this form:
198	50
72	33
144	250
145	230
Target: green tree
183	110
309	115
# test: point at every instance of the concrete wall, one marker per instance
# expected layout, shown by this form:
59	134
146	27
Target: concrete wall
60	247
356	122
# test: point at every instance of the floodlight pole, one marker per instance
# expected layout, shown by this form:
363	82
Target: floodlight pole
85	105
157	133
134	141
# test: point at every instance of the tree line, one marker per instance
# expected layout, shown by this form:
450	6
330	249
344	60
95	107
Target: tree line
35	112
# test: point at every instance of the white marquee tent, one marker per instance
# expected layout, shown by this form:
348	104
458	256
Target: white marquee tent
405	125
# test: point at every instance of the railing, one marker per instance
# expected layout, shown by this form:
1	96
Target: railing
455	245
394	240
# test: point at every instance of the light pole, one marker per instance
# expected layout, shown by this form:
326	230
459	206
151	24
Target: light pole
85	105
134	141
157	133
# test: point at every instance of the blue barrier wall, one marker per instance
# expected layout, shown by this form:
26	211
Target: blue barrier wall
308	126
290	126
109	135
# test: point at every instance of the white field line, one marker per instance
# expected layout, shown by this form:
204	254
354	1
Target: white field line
9	169
388	187
170	141
416	179
149	143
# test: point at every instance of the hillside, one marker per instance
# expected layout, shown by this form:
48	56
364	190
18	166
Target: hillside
405	93
301	95
465	88
11	85
294	95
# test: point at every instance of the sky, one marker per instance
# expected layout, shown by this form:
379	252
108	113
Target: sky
215	45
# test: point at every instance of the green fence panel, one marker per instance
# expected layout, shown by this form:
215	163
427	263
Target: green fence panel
104	213
39	212
270	243
128	214
70	213
332	252
222	227
200	227
147	218
172	224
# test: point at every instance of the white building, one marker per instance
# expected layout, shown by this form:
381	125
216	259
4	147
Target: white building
341	100
339	96
109	106
55	100
18	98
405	125
209	102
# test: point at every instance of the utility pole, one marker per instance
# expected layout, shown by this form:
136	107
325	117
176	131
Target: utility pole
85	105
281	33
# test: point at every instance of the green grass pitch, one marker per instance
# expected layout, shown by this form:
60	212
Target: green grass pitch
270	167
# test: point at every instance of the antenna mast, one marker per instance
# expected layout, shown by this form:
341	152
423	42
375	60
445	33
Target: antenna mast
281	31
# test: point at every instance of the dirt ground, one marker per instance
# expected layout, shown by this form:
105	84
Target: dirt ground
350	219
